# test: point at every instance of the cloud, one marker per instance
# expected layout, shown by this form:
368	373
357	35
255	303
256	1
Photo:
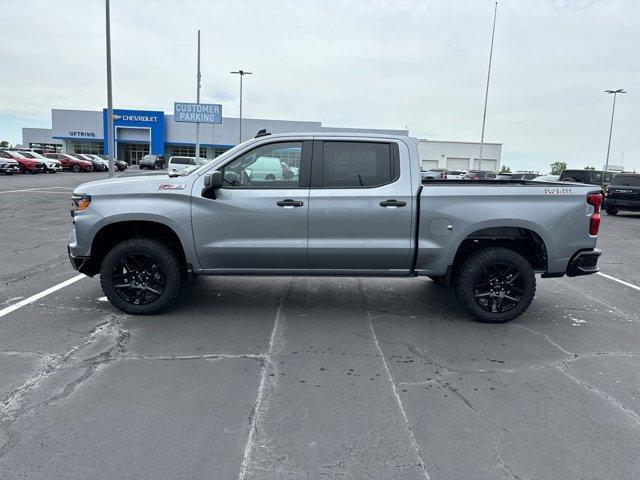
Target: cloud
358	63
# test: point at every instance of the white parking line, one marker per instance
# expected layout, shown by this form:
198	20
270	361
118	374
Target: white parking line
38	296
626	284
35	189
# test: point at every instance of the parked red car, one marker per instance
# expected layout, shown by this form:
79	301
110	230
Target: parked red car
29	165
69	162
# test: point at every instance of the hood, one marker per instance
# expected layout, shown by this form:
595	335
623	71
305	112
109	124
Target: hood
135	184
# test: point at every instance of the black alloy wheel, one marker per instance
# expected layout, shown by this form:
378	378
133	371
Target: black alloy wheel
498	287
138	279
141	275
495	284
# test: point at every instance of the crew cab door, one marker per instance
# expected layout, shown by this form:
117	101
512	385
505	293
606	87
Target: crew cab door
255	223
360	206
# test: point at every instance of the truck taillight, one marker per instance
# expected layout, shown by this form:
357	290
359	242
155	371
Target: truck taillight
595	200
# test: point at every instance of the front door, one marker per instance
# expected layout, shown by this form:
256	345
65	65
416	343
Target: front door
360	206
256	223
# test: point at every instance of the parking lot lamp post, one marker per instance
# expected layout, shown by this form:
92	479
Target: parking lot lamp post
242	73
613	111
110	142
198	100
486	92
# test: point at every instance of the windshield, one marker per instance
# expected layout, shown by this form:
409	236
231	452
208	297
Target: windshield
28	155
626	180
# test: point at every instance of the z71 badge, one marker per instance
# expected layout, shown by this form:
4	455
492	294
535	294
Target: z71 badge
558	191
171	186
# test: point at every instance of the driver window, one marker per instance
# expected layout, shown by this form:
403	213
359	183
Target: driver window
276	165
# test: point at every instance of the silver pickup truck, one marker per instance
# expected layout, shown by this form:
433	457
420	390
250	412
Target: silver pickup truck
345	204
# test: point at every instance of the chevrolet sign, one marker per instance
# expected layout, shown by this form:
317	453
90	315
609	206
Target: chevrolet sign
197	112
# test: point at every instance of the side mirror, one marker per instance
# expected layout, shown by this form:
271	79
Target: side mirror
212	182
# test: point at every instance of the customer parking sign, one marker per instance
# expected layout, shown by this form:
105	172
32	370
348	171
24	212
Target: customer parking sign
197	112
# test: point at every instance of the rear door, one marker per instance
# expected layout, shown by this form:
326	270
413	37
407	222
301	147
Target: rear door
360	206
255	224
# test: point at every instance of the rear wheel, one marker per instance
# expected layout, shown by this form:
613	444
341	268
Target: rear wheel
495	284
611	211
141	276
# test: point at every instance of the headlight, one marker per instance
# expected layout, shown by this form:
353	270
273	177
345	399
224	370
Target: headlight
79	202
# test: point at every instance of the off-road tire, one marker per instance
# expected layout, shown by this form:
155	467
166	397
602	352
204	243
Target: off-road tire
474	264
166	258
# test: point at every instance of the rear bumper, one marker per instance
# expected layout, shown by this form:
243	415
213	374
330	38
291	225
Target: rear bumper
584	262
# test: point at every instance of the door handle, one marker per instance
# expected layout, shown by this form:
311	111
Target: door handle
393	203
289	203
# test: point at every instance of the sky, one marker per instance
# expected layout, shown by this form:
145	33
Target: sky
370	64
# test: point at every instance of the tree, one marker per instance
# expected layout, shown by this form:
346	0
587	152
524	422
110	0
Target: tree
4	144
505	169
589	168
558	167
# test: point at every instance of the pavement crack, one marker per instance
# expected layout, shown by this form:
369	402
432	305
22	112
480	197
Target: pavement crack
34	270
413	443
565	368
267	383
595	299
546	337
105	340
212	356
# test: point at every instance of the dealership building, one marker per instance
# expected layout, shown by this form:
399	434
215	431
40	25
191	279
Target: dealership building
139	132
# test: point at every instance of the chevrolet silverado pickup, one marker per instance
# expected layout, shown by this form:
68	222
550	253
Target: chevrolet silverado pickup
355	206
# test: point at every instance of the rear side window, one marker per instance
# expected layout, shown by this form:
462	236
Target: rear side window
358	164
627	180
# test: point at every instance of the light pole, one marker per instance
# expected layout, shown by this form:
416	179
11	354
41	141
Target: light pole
613	110
486	92
109	139
198	100
242	73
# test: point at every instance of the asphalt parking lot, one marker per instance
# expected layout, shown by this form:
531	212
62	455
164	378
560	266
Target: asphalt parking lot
309	377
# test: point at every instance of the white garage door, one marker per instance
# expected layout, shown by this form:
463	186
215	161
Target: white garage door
487	164
428	164
457	163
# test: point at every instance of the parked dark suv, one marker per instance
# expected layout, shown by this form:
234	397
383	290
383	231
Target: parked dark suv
591	177
623	193
154	162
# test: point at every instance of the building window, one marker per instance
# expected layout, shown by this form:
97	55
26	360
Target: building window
190	151
75	146
46	147
180	151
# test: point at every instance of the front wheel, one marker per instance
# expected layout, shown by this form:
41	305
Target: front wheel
611	211
76	168
141	276
495	284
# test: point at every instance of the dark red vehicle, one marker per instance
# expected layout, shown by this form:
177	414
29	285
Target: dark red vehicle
69	162
27	165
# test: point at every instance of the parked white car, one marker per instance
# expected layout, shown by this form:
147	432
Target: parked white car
547	178
179	163
456	174
51	165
